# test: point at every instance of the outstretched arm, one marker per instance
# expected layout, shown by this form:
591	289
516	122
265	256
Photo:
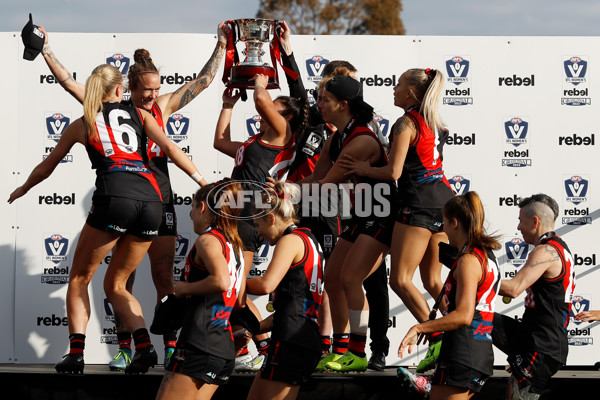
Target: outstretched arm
181	160
62	75
73	134
171	102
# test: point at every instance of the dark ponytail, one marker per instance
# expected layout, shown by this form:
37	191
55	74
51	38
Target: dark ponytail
298	109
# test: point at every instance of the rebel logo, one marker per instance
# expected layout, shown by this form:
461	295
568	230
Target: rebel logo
576	188
456	139
575	70
56	199
180	201
52	79
53	320
457	69
177	127
56	125
315	66
253	125
459	184
120	62
517	81
576	140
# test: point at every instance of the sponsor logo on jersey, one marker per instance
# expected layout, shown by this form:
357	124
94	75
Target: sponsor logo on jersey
516	146
579	304
177	127
460	184
314	68
120	62
253	125
220	315
576	190
575	84
482	330
384	125
457	70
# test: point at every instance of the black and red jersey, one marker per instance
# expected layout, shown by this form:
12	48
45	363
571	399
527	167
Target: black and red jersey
206	325
308	150
256	160
157	159
120	146
423	183
298	296
548	304
471	345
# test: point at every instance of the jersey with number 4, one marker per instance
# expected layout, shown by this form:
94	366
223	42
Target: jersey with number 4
118	154
423	183
548	305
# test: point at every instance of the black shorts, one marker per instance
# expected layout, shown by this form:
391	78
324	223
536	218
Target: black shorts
168	225
529	367
454	374
200	365
289	363
326	231
380	229
119	215
249	235
428	218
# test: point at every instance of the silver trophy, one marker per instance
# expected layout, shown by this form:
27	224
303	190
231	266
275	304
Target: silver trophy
253	32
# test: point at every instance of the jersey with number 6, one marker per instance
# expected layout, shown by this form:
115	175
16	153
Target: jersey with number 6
423	183
118	154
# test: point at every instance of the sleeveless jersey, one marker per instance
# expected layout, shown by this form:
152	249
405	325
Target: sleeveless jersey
120	146
297	298
548	304
256	160
471	345
157	159
422	183
341	140
206	325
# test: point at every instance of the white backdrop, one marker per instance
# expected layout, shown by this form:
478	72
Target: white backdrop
519	110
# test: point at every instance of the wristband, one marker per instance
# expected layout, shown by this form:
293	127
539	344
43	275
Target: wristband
46	50
196	177
259	85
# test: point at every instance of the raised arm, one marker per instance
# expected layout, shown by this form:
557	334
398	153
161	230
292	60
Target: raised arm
266	108
171	102
62	75
181	160
287	58
222	140
73	134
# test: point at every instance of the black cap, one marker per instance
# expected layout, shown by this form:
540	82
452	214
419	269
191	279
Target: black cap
33	39
349	89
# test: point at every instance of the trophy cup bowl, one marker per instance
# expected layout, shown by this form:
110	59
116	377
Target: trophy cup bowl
253	32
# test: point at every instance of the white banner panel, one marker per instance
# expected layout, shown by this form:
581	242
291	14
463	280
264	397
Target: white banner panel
520	112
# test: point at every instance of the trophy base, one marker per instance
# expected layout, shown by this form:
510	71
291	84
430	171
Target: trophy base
241	74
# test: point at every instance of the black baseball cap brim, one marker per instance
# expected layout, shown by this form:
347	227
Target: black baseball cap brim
33	40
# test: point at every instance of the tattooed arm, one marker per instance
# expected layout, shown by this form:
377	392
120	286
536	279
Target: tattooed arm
543	262
172	102
61	74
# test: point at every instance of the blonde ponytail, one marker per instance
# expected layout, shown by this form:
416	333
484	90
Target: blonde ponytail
100	83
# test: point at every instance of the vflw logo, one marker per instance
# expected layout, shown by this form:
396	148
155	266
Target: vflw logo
56	125
56	248
177	127
253	125
384	125
575	70
578	304
459	184
120	62
181	248
516	131
457	69
315	66
516	251
576	188
109	315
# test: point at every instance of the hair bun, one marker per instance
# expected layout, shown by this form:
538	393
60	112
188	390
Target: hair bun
141	54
